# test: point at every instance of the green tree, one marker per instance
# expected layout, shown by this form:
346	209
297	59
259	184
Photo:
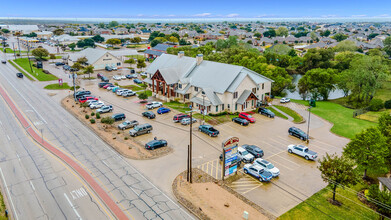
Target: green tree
113	24
40	53
130	61
318	82
313	36
387	46
82	60
318	58
282	31
337	171
381	199
173	39
85	43
270	33
344	59
368	150
113	41
257	35
385	128
143	96
98	38
292	53
136	40
141	63
346	45
72	46
101	25
88	70
325	33
155	42
5	31
58	32
340	37
77	66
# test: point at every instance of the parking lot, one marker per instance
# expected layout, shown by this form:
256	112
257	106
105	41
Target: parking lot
298	180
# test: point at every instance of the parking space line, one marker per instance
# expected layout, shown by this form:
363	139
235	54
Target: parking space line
278	142
321	142
288	160
275	154
280	164
318	147
252	188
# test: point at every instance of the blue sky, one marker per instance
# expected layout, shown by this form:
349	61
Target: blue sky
199	9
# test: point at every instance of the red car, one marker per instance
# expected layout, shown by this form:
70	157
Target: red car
83	100
105	87
247	116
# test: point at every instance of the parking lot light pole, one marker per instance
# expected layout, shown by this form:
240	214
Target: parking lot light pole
308	128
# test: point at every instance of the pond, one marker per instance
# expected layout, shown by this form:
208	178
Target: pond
338	93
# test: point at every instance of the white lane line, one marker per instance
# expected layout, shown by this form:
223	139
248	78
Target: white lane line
1	123
8	137
32	186
105	163
73	207
9	195
18	156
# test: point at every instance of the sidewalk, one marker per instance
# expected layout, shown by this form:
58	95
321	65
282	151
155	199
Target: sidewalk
289	117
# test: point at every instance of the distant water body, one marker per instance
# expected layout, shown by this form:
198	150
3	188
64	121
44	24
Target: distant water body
54	20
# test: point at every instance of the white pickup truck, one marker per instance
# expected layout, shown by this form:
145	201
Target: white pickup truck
302	151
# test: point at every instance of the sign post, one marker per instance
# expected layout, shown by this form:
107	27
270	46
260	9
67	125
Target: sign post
230	156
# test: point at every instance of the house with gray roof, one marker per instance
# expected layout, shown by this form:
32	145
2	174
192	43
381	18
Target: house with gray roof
210	86
98	58
384	184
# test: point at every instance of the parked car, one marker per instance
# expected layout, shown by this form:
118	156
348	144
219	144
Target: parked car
128	76
108	68
107	85
137	81
123	77
60	64
144	74
117	77
127	124
241	121
111	87
209	130
163	110
244	155
149	114
186	121
114	68
132	71
302	151
254	150
179	117
258	172
66	67
3	61
115	89
89	101
153	105
97	104
128	93
131	76
85	99
104	79
247	116
284	100
79	94
140	129
155	144
99	75
19	75
105	109
267	112
120	91
293	131
102	84
266	165
118	116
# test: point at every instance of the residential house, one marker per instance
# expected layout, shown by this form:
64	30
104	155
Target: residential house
157	50
210	86
384	184
98	58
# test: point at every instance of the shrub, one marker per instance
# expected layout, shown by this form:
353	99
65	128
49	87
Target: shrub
92	121
143	96
85	105
126	138
376	105
97	116
107	120
52	56
92	113
387	104
87	116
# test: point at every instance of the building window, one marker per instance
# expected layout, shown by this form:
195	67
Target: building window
118	64
263	85
187	96
222	107
235	95
203	93
196	89
217	108
180	86
236	107
252	102
228	106
254	90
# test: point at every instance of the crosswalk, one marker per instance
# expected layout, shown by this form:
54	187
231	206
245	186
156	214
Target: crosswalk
213	168
245	184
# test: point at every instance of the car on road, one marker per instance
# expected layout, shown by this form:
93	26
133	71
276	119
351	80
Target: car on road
96	105
85	99
247	116
19	75
163	110
209	130
105	109
117	77
179	117
254	150
149	114
118	116
267	166
103	84
127	124
258	172
240	121
128	93
296	132
60	64
153	105
140	129
3	61
186	121
244	155
284	100
303	151
104	79
266	112
137	81
155	144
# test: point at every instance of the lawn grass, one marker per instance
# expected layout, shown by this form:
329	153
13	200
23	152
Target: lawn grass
20	70
2	208
149	93
342	118
385	92
38	73
135	56
296	117
277	113
373	116
9	50
56	86
132	87
318	207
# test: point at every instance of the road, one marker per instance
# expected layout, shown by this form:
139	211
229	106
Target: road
133	192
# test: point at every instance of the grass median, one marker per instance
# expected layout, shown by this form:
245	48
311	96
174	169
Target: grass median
56	86
296	117
277	113
38	73
20	70
132	87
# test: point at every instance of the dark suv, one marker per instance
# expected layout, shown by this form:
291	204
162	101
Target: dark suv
118	116
149	114
79	94
267	112
293	131
254	150
104	79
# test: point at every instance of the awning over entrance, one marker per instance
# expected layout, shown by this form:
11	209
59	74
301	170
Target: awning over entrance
245	96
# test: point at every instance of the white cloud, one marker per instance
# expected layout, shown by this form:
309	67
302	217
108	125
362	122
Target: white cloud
384	15
140	15
329	16
232	15
203	15
359	15
265	16
171	15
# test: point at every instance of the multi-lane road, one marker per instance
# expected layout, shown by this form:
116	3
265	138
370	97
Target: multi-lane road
40	185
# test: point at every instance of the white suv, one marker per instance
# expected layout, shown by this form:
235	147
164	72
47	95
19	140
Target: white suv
267	166
244	155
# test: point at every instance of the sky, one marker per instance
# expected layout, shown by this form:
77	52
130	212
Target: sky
196	9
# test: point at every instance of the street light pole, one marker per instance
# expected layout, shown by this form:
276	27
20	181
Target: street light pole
308	128
203	109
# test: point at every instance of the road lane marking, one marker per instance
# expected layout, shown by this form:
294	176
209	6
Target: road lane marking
1	123
9	195
32	186
72	206
8	137
18	156
78	193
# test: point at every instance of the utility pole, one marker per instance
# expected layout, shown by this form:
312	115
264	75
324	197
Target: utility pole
74	85
28	57
190	147
308	128
13	48
203	109
17	37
